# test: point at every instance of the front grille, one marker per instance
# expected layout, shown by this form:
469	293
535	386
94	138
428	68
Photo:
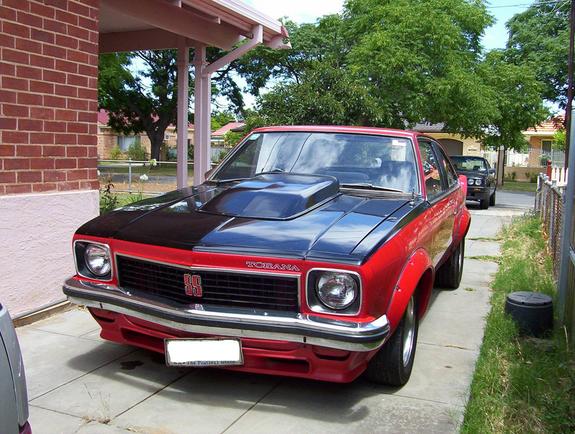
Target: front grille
247	290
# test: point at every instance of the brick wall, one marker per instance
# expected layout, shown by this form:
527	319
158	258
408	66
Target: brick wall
48	95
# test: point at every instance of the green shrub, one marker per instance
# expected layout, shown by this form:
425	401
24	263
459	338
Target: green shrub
510	176
531	176
137	152
116	153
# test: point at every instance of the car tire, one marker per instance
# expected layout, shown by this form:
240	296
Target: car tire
484	203
492	199
449	274
393	363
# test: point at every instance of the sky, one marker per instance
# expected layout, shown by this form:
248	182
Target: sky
305	11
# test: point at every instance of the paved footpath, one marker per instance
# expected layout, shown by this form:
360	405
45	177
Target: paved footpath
81	384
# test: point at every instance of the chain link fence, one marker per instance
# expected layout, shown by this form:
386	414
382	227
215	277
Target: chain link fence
550	203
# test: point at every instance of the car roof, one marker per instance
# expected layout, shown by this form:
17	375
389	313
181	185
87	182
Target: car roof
339	129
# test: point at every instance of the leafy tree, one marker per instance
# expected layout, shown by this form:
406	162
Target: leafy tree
559	140
380	63
219	119
421	58
539	38
145	100
324	95
517	99
312	44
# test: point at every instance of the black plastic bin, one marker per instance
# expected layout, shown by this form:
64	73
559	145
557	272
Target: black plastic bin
532	311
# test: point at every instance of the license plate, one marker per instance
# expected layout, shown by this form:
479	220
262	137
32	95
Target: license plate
203	352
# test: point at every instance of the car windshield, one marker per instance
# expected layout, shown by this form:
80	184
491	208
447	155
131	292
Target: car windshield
356	160
476	164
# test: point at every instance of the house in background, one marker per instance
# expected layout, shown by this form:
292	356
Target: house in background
108	139
219	147
218	136
541	142
454	144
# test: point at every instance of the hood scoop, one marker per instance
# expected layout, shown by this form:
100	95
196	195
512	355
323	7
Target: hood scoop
274	196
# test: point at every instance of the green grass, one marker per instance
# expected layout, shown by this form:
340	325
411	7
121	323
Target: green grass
521	384
519	186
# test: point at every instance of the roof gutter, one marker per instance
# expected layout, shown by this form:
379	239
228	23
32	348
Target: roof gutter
257	39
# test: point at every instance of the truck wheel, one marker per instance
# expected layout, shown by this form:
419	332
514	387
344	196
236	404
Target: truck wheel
449	274
392	364
492	199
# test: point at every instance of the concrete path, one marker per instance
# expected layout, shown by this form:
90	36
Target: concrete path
81	384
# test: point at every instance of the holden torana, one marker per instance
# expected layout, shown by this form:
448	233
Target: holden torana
308	252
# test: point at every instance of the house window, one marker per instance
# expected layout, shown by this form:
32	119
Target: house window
124	142
546	146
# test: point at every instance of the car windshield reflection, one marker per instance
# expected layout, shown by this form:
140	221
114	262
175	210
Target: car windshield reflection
356	160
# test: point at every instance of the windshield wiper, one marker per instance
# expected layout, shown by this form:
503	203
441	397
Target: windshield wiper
223	181
367	186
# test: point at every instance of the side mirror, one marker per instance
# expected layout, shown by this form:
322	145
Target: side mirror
463	184
491	171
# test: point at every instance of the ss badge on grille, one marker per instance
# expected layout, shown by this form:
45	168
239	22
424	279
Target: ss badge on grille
193	285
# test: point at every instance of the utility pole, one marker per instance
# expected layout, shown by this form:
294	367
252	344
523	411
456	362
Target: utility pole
569	107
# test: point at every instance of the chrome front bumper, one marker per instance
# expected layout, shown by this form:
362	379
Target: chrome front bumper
307	329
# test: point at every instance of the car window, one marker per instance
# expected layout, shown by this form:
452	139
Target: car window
475	164
431	170
354	159
446	165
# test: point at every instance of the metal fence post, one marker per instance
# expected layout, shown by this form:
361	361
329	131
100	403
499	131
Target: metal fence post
552	218
567	229
130	175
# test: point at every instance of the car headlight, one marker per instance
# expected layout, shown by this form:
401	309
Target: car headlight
93	260
336	291
97	259
470	181
478	181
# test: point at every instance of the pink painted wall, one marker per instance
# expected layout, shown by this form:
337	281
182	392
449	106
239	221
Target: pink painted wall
36	245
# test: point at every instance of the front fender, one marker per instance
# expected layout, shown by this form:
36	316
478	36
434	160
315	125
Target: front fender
418	267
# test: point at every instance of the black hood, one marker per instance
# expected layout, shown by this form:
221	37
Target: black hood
275	214
273	196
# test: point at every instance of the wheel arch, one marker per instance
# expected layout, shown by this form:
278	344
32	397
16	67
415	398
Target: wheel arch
416	278
463	226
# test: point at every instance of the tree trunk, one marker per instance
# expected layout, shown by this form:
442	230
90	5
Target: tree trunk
156	140
156	145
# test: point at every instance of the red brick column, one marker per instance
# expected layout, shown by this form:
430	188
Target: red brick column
48	95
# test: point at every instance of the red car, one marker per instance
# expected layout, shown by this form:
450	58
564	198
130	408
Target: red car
309	252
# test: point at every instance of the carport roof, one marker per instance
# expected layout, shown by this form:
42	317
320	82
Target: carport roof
129	25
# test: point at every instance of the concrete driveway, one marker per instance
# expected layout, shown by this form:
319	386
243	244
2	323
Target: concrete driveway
81	384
